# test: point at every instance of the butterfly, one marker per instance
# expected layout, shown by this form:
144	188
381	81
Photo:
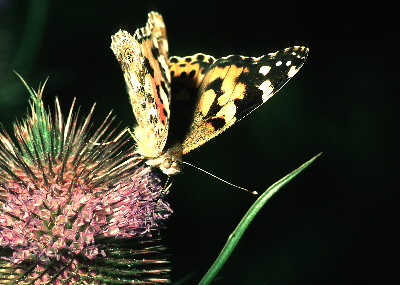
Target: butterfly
182	102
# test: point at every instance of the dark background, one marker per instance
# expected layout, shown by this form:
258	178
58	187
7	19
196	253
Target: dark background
336	223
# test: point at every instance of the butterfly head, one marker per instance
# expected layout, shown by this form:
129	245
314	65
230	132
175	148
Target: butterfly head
170	162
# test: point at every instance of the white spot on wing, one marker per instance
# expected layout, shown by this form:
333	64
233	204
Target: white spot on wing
265	85
279	63
292	71
228	112
264	69
288	63
267	88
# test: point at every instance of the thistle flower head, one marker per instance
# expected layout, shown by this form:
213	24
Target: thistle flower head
60	191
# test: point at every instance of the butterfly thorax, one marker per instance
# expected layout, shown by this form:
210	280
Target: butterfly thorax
170	162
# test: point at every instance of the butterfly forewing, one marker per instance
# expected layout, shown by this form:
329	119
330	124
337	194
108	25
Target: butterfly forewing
144	61
234	86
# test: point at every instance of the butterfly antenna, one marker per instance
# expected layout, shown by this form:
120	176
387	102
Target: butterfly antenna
198	168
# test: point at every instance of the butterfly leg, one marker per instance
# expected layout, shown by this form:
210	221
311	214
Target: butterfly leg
167	185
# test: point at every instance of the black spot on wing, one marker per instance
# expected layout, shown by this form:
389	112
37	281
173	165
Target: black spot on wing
217	123
158	91
216	86
204	66
192	74
147	66
155	52
164	87
164	76
200	57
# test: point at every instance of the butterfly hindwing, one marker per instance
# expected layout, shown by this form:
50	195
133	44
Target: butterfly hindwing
144	61
234	86
187	74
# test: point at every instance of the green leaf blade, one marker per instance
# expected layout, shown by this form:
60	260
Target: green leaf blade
237	234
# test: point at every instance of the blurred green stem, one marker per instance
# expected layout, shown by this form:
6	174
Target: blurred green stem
237	234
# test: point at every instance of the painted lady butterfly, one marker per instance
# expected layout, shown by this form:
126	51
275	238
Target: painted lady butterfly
182	102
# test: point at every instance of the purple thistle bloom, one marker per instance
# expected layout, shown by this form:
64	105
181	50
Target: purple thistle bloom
62	191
